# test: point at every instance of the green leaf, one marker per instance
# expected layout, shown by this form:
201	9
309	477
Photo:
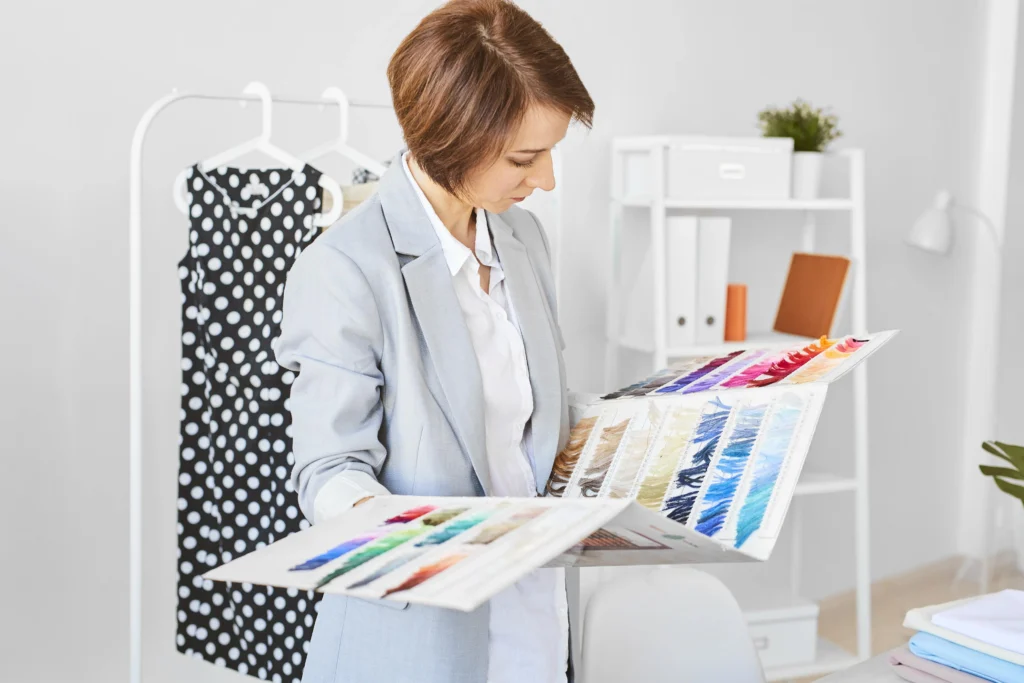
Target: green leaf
811	129
1016	453
990	471
1012	489
990	447
1012	454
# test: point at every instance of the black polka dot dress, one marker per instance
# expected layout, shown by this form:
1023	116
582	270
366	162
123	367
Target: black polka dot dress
234	493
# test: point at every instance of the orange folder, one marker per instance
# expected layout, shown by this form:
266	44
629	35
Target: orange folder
812	293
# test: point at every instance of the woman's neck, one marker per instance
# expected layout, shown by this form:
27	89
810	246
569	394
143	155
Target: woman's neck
456	214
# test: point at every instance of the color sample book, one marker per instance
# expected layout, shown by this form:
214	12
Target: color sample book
697	463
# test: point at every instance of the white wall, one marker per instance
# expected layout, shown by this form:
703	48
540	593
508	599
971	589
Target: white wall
902	77
78	75
1009	425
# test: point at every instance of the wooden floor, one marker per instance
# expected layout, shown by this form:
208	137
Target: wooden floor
892	598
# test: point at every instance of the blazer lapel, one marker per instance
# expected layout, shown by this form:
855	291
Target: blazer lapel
539	340
437	310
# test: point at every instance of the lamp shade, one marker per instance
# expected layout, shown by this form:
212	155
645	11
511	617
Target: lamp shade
932	231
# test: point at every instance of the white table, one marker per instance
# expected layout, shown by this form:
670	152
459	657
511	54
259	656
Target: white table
874	670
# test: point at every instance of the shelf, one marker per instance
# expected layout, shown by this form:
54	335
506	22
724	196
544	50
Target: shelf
813	483
751	205
639	188
760	340
830	658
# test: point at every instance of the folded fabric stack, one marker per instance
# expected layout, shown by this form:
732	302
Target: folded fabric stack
978	639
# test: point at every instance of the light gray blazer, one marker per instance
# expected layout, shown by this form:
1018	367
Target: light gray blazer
388	384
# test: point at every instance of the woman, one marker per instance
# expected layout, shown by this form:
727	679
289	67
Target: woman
424	330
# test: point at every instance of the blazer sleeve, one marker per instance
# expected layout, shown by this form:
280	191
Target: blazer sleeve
331	335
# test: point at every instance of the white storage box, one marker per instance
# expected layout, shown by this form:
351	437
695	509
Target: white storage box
700	168
784	627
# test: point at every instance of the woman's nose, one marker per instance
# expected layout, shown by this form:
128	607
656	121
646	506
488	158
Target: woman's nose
543	175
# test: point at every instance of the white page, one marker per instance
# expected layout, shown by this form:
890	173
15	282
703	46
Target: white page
500	562
996	619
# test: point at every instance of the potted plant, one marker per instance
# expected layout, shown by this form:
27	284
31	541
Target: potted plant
1010	480
812	130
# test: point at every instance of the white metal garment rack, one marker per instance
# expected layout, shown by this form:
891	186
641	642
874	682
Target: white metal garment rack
135	347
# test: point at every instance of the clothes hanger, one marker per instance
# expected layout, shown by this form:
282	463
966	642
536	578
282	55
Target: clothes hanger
261	143
340	144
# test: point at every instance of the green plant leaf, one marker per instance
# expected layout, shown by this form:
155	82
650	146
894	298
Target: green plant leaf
1011	454
989	447
1016	453
1012	489
811	129
990	471
1008	452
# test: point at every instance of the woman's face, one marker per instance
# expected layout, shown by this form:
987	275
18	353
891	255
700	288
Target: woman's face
524	166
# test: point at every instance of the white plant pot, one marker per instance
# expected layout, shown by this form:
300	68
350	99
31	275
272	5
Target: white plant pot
806	174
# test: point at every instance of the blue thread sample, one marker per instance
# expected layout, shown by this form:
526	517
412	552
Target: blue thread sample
697	374
709	430
779	433
729	470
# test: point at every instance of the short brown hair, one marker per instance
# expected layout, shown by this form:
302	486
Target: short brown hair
463	80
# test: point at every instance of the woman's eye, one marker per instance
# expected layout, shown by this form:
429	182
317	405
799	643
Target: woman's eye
522	164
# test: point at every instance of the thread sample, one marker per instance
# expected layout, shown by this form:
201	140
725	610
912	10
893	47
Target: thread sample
728	470
565	462
690	478
779	431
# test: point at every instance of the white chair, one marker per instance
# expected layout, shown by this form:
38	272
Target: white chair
578	403
667	625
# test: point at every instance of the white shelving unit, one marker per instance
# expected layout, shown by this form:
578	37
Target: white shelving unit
830	657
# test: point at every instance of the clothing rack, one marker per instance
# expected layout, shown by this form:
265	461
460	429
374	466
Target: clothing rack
135	345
